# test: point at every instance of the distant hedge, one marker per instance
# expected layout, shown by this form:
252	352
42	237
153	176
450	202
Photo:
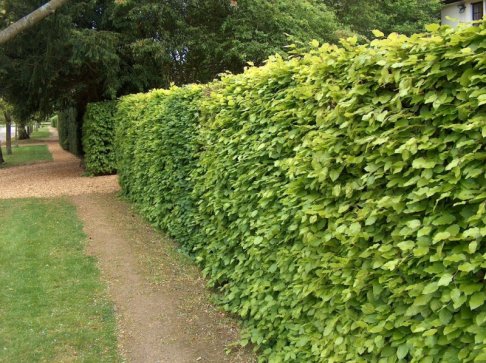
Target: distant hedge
98	137
53	121
337	199
69	131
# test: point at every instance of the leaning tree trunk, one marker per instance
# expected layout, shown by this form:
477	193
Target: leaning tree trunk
30	20
8	123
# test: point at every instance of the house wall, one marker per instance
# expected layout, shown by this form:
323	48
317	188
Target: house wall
452	11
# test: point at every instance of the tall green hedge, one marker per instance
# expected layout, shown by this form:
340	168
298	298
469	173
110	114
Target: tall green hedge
158	153
343	200
53	121
337	199
98	138
70	131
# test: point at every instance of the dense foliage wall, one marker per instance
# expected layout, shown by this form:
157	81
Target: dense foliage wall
53	120
70	131
157	153
338	199
98	137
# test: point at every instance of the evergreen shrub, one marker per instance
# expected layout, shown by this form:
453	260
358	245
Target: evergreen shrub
340	195
98	138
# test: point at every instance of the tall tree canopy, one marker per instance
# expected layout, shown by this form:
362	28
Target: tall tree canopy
91	50
401	16
95	49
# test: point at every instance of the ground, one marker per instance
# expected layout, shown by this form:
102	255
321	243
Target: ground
163	309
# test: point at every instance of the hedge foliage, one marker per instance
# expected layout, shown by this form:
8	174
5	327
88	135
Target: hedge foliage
156	140
98	138
337	199
53	121
70	131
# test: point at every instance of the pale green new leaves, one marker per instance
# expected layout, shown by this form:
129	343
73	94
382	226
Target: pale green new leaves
337	199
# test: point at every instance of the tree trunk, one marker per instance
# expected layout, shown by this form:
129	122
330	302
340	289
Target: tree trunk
8	123
1	154
23	133
30	20
16	134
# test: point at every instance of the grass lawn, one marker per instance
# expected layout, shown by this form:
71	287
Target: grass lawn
53	307
42	133
24	155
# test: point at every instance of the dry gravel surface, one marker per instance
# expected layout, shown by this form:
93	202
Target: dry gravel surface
63	176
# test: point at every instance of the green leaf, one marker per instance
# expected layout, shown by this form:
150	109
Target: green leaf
354	228
429	332
480	319
477	300
414	224
402	351
422	163
406	245
444	219
377	33
391	265
445	280
432	27
473	246
441	236
420	251
445	316
430	288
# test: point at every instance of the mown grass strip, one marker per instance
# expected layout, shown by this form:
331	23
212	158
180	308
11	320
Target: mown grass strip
26	155
41	133
53	306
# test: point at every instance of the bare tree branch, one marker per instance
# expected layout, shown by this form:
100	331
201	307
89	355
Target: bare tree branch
30	20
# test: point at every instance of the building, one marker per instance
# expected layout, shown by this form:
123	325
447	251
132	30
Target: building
462	11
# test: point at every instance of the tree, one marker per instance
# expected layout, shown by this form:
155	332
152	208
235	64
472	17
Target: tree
401	16
8	125
30	20
92	50
6	110
251	31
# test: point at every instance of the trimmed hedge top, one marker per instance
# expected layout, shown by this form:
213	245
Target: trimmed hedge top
337	199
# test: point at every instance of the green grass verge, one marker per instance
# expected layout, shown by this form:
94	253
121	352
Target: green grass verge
41	133
53	307
24	155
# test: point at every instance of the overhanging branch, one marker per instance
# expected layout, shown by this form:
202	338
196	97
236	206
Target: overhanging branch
30	20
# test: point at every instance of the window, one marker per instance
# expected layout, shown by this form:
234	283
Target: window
477	11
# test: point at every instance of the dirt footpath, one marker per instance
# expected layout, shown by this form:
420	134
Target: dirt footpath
162	305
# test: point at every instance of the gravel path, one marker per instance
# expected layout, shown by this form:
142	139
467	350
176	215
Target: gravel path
61	177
